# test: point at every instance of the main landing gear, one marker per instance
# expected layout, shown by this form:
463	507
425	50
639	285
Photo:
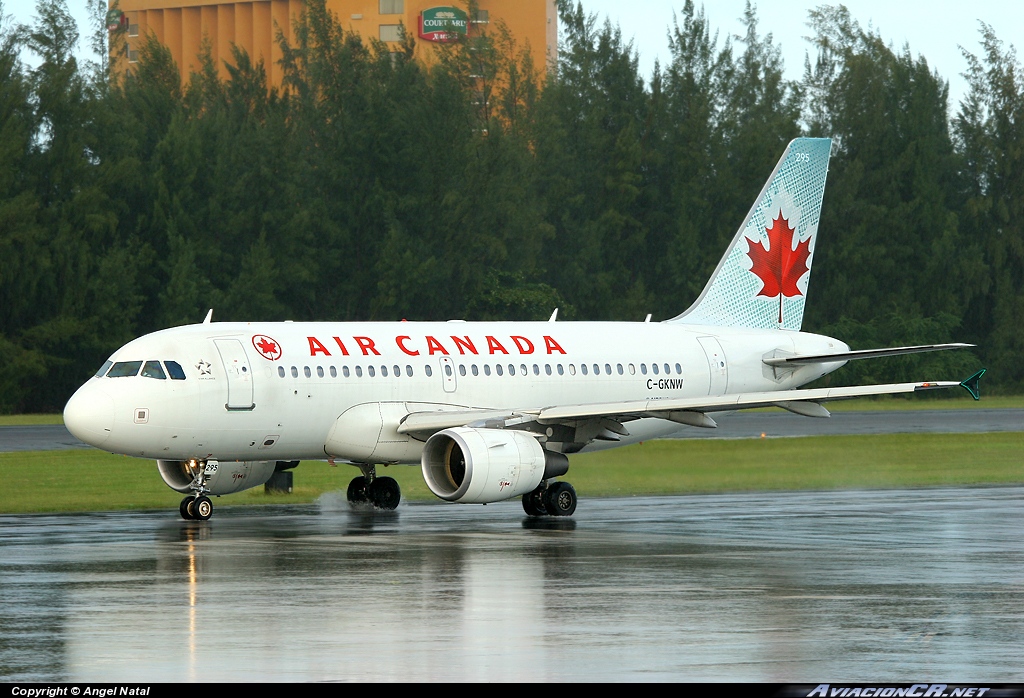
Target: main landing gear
381	492
555	499
197	506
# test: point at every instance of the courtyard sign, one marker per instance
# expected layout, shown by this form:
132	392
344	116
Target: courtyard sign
443	24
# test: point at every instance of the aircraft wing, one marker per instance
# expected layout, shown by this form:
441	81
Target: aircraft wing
691	411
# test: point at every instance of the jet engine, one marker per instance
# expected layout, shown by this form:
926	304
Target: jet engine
221	477
477	466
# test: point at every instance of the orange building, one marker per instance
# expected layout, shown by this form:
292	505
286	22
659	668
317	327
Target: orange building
181	25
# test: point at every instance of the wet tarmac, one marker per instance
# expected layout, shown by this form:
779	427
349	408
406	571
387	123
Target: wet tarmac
783	587
730	426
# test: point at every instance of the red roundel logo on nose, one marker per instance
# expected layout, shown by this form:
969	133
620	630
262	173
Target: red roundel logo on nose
267	347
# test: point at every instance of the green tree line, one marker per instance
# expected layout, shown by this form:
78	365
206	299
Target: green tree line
488	185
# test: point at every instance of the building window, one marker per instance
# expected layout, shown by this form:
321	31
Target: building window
479	16
392	7
133	56
391	32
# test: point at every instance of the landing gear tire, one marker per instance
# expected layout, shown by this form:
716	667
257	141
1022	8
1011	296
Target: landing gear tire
560	499
357	491
385	493
202	508
533	502
185	508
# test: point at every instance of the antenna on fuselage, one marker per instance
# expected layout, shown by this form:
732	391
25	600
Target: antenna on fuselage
209	316
648	318
554	316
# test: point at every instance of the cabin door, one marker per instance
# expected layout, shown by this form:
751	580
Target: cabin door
718	367
239	373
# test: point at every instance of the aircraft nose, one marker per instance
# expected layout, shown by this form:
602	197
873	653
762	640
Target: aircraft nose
89	415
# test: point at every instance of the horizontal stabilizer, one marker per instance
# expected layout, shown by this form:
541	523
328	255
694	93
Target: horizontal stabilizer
861	354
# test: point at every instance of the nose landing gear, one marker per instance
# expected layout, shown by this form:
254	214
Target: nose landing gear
197	506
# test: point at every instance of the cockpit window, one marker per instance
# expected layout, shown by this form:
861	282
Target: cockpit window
103	369
174	368
152	370
123	369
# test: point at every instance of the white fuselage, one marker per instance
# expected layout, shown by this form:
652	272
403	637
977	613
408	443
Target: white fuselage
274	391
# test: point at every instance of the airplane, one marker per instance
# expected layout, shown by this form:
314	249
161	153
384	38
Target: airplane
488	410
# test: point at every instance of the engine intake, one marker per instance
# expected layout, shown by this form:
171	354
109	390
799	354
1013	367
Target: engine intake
477	466
228	476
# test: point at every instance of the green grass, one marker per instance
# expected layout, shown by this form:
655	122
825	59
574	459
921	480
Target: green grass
91	480
21	420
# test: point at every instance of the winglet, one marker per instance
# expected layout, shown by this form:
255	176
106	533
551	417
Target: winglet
971	384
209	317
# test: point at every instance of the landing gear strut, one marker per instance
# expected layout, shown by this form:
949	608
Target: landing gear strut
381	492
197	506
554	499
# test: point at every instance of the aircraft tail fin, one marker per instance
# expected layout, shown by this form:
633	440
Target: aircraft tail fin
761	281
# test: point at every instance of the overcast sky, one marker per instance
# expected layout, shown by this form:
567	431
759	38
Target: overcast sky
934	29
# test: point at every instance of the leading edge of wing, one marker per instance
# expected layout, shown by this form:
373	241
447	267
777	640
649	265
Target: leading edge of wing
420	422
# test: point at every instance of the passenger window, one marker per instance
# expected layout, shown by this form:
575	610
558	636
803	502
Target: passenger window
679	369
474	370
654	369
522	369
643	369
152	369
547	369
408	370
608	369
597	370
561	371
334	372
370	371
307	372
668	369
618	367
429	371
462	369
499	370
125	369
448	370
397	371
104	368
320	371
280	371
359	371
572	370
174	370
345	371
295	372
583	369
536	370
511	369
384	371
632	370
487	369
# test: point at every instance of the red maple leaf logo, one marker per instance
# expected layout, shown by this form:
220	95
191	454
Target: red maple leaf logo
267	347
780	266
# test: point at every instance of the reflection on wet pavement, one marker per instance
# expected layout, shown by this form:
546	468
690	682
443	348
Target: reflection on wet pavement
786	587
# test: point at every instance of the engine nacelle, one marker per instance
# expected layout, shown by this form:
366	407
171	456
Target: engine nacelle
476	466
221	477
